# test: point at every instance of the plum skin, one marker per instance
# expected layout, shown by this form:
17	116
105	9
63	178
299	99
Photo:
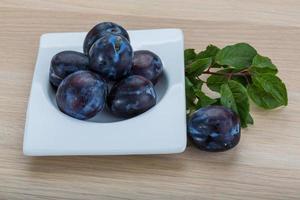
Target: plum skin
101	29
65	63
131	96
81	95
214	128
111	57
147	64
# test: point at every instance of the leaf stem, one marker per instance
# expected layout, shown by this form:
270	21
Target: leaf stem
243	73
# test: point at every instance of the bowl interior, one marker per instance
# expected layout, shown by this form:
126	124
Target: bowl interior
105	116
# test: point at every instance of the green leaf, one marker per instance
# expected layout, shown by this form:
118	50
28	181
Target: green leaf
234	96
216	65
188	83
189	89
217	102
189	55
198	66
214	82
261	64
268	91
191	107
241	79
249	119
203	99
190	96
237	56
196	82
210	51
195	98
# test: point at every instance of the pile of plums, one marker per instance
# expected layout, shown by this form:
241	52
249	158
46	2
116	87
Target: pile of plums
107	74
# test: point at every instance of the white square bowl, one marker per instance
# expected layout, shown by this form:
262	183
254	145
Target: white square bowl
160	130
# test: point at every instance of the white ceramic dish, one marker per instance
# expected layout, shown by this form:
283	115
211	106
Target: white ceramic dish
160	130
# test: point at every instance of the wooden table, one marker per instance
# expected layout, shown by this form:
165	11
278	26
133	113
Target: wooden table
266	163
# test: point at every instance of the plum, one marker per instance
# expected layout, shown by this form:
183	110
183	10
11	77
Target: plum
81	95
131	96
214	128
65	63
99	31
147	64
111	57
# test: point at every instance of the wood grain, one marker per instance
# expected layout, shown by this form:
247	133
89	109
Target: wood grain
266	163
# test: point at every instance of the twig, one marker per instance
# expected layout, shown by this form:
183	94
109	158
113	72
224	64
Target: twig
243	73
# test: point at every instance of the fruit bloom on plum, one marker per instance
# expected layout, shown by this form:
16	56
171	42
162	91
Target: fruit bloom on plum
214	128
111	57
101	29
65	63
81	95
131	96
147	64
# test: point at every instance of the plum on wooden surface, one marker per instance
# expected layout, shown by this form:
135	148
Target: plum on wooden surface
214	128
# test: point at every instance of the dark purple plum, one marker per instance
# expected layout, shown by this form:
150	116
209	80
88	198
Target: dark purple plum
214	128
99	31
111	57
65	63
147	64
131	96
81	95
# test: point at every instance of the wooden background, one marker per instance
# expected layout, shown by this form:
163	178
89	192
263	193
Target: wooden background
266	163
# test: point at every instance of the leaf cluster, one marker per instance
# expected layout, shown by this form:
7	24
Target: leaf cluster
238	73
